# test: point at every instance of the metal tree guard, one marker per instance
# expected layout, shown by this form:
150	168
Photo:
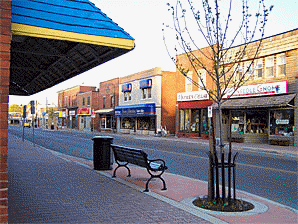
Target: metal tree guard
222	165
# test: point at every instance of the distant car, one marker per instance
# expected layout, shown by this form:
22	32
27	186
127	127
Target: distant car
27	125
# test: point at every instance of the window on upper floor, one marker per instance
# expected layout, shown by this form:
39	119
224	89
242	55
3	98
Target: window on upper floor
65	101
248	70
146	93
112	101
127	96
202	79
269	67
104	102
188	82
259	68
238	72
88	101
83	101
281	64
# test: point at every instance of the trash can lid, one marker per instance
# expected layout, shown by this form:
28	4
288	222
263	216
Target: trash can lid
102	137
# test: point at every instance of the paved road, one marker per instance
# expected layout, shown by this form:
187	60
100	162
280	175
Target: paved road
267	175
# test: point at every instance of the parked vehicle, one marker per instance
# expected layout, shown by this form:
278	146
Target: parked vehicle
27	125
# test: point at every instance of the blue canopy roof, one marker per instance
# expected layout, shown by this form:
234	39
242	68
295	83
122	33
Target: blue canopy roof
57	18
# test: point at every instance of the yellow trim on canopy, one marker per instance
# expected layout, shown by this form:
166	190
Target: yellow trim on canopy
33	31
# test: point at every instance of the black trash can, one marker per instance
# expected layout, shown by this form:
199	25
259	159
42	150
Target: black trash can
102	159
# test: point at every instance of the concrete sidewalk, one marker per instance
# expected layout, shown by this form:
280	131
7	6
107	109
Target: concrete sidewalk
46	186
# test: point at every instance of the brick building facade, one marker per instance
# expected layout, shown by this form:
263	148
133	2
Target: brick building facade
192	100
108	98
68	105
264	109
5	43
87	103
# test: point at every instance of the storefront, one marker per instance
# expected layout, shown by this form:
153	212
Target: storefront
192	114
136	119
73	118
266	118
107	119
84	117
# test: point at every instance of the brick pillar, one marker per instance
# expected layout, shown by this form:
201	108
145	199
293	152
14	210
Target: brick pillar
5	40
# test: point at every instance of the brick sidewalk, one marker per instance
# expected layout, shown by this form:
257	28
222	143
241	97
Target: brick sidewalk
44	188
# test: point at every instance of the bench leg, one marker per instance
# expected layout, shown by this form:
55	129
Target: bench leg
147	184
114	173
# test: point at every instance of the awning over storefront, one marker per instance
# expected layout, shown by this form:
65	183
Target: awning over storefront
258	102
194	104
140	110
53	41
104	111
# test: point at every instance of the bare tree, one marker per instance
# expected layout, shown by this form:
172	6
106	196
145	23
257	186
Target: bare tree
231	30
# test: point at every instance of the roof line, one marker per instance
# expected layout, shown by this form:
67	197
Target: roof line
34	31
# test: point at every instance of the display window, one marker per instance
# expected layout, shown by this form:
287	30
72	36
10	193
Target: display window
146	123
238	121
282	122
256	121
193	120
127	123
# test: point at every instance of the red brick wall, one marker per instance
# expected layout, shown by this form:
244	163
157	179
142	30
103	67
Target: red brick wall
168	100
5	39
108	89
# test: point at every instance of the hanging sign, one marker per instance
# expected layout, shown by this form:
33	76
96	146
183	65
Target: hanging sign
210	111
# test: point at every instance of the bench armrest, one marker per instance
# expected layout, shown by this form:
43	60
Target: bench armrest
157	165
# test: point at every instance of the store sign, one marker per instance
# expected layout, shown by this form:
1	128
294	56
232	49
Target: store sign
285	121
141	110
192	96
62	114
258	90
72	112
84	111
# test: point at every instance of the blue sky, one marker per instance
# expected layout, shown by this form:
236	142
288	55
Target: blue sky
143	21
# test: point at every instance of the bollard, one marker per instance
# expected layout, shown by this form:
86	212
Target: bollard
102	159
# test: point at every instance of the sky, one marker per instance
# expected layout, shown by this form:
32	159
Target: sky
143	21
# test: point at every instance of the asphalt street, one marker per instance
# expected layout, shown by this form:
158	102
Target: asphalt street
268	175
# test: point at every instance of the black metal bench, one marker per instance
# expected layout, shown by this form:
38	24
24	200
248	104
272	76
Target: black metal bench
125	155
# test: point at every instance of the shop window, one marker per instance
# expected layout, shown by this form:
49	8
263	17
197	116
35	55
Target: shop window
146	123
259	69
146	93
237	121
191	120
282	122
269	66
195	121
127	96
238	73
188	82
248	70
281	64
256	122
127	123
